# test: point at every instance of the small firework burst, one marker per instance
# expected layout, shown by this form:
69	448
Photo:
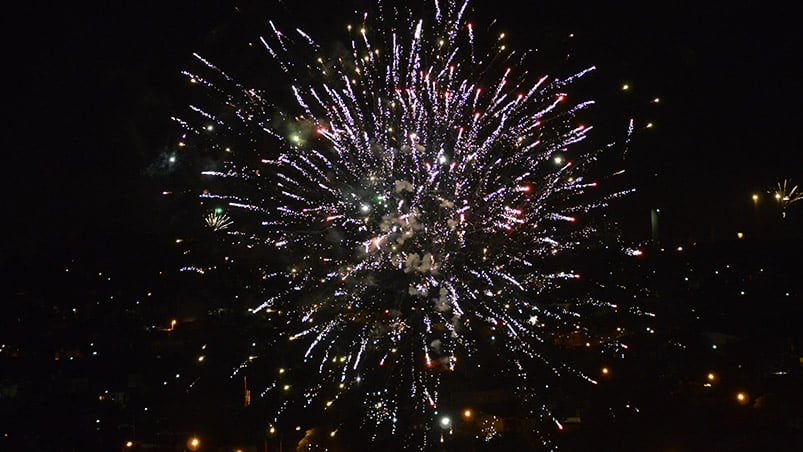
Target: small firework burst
218	220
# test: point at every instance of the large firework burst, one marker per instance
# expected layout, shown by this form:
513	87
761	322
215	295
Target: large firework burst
416	196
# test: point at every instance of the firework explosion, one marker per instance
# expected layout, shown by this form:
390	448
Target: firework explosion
217	220
414	198
787	194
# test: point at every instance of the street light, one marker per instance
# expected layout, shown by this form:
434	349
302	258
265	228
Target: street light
274	433
446	425
193	443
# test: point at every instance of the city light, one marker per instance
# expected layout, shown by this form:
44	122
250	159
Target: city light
193	443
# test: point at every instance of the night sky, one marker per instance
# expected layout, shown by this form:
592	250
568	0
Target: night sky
91	255
91	87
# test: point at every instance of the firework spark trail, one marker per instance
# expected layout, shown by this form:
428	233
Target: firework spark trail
416	209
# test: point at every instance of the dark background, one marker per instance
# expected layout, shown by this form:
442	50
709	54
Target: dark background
89	91
90	88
